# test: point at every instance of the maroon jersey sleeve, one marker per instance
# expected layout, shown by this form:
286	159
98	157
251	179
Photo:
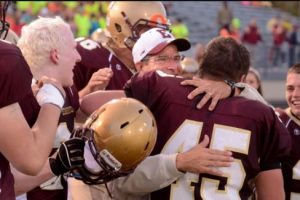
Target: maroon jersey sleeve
248	128
94	57
291	164
15	75
15	86
275	143
6	180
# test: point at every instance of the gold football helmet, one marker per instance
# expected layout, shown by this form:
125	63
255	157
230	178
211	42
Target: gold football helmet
125	17
122	134
99	36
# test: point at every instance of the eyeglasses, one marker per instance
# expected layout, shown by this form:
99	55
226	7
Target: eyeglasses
164	59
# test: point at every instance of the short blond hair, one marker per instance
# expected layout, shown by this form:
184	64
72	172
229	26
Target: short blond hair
40	37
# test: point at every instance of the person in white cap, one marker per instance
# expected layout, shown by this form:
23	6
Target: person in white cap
158	49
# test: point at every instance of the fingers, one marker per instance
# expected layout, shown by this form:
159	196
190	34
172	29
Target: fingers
219	152
104	72
194	82
204	100
213	171
214	102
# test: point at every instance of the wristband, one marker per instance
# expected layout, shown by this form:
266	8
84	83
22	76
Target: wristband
48	93
231	84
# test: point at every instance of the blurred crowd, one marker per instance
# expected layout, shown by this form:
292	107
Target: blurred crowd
87	16
83	16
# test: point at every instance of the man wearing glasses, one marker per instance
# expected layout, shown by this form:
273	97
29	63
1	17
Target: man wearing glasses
161	52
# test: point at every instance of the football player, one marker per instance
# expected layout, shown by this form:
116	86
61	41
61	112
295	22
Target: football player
107	64
291	118
172	66
249	129
49	48
27	130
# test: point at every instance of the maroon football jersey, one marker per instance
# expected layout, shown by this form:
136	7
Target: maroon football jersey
15	86
249	129
65	128
291	165
94	57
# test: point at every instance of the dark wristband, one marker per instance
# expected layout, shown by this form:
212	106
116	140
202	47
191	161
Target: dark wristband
232	86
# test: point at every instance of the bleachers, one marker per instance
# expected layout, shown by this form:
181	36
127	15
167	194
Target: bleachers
200	17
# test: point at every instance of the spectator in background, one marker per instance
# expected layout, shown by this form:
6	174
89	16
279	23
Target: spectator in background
235	26
94	23
251	37
102	20
253	79
230	31
277	51
82	21
293	42
274	21
103	7
225	16
180	29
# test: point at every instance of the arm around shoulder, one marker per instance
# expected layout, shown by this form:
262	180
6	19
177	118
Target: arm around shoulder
154	173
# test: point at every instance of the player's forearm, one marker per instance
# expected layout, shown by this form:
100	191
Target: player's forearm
44	131
25	183
154	173
85	91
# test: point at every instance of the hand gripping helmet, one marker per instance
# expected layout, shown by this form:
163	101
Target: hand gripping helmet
124	20
122	134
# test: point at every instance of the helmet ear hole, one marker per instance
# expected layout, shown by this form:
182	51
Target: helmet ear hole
118	28
146	147
124	125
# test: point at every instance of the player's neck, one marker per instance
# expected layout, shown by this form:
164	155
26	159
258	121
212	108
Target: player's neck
124	55
297	117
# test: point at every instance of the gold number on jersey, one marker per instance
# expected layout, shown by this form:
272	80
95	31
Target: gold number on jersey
223	138
89	44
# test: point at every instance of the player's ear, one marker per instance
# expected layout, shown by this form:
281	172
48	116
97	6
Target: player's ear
54	56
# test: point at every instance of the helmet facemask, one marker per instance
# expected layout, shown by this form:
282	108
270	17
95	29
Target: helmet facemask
126	20
138	27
